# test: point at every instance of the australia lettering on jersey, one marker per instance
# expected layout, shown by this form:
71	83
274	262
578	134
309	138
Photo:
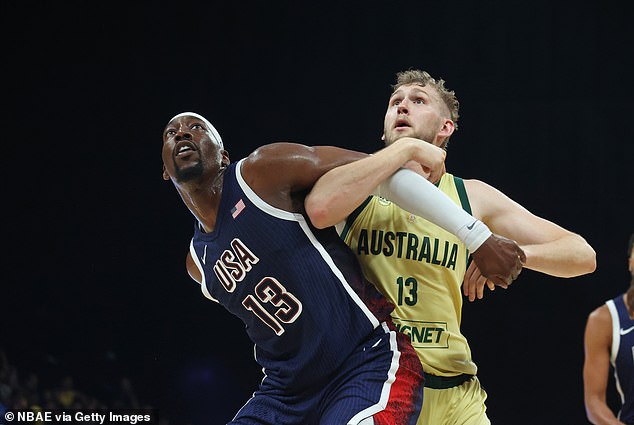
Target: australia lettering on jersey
409	246
234	264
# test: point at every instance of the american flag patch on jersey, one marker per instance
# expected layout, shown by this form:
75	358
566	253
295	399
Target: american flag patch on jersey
237	209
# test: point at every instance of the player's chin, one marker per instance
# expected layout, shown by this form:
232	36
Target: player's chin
394	137
189	172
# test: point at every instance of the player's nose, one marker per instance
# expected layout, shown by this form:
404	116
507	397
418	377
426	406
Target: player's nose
402	107
183	135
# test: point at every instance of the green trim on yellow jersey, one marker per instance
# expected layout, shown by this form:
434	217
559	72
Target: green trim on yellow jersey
352	217
464	201
462	194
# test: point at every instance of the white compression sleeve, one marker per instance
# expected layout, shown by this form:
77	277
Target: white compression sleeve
415	194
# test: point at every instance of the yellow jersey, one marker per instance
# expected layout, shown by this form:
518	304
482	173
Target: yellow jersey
420	267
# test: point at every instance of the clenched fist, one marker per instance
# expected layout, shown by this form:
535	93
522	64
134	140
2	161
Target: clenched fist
499	259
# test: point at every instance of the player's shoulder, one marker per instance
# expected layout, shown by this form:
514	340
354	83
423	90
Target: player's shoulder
486	196
272	152
600	316
271	158
263	165
598	332
475	186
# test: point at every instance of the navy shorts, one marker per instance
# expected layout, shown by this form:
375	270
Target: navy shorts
381	383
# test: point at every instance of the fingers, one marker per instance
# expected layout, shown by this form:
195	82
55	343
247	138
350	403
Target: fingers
480	287
522	255
521	260
468	278
433	174
497	280
474	283
417	168
500	259
441	171
516	262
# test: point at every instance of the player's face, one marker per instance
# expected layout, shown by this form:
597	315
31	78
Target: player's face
631	263
189	150
414	111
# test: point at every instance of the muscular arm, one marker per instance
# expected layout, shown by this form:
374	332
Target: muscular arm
549	248
597	343
340	191
282	173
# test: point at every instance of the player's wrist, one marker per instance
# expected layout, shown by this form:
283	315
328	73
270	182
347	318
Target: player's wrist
474	234
418	151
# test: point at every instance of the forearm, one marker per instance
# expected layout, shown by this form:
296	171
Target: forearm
599	413
415	194
338	192
567	256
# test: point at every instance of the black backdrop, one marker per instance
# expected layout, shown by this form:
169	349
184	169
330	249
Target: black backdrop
94	282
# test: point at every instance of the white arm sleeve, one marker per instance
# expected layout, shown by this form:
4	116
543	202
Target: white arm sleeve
415	194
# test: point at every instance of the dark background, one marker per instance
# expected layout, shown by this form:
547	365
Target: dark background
94	282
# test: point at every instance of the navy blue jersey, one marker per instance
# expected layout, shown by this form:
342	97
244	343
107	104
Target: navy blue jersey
299	291
622	356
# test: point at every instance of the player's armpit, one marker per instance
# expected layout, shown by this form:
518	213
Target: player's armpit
192	268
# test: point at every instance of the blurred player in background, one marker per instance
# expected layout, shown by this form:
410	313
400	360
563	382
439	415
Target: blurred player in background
609	340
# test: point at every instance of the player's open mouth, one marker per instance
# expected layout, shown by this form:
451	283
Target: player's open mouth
402	124
183	149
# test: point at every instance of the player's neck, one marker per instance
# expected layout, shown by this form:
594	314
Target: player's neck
629	301
204	201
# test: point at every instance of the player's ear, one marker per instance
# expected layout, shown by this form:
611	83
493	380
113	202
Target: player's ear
165	175
225	158
447	129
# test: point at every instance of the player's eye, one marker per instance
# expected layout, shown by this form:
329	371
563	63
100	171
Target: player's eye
419	101
196	126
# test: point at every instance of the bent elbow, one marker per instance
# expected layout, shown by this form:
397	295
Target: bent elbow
317	213
591	260
583	256
585	261
593	407
588	256
319	219
581	261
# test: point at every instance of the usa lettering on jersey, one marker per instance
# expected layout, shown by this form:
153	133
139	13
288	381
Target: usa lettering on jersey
234	264
232	268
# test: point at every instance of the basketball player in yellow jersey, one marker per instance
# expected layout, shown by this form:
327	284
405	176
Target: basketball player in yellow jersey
420	266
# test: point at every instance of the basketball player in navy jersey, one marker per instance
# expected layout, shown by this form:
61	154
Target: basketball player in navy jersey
609	339
322	333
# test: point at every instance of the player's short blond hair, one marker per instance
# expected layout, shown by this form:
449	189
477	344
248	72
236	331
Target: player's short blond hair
416	76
